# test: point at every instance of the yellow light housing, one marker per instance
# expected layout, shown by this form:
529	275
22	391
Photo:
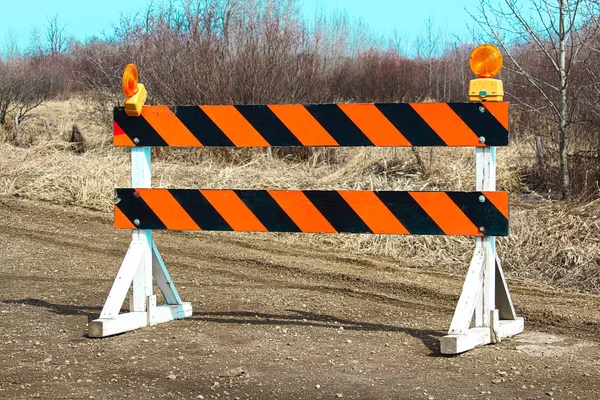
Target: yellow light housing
486	61
135	92
130	80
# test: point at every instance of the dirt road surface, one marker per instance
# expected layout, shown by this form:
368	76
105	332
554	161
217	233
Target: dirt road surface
270	322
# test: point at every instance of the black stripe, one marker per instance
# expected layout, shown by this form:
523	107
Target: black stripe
267	210
138	127
335	210
410	124
339	126
134	207
201	126
268	125
200	209
482	123
482	214
409	213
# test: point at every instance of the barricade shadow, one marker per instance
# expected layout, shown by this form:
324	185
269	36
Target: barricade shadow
62	309
430	338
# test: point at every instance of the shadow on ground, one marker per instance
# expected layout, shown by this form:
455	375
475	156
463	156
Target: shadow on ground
62	309
430	338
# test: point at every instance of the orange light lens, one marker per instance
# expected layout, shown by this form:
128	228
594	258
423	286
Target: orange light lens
130	80
486	61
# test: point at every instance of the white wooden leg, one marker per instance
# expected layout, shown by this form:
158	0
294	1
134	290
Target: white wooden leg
138	264
503	300
142	280
489	279
118	292
163	279
471	293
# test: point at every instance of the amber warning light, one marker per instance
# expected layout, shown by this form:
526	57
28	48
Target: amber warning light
130	80
486	61
134	91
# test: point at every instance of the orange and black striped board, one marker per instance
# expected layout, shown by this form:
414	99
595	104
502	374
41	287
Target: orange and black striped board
382	125
318	211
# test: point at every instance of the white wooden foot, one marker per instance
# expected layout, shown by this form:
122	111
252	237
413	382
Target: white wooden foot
103	327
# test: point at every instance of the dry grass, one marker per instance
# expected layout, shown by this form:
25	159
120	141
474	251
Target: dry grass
552	243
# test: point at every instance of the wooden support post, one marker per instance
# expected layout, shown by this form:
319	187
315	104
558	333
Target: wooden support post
141	263
47	125
141	177
17	138
477	320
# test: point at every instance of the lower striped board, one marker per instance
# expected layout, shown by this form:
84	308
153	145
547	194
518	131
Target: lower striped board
316	211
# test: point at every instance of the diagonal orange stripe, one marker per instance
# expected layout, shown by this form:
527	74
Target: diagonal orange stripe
374	125
444	212
303	125
167	209
448	125
121	221
373	212
169	127
235	126
122	140
302	211
233	210
499	200
499	110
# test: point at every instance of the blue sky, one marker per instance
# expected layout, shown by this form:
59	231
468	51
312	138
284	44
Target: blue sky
85	19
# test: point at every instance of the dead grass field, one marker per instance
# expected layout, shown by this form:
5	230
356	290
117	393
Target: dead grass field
552	243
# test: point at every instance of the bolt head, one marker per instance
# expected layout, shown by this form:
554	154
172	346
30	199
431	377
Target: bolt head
482	199
481	109
481	228
136	222
136	140
481	139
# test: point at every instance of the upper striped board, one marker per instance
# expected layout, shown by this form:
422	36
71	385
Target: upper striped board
316	125
334	211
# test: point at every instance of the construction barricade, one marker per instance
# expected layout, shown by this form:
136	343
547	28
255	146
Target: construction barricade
485	312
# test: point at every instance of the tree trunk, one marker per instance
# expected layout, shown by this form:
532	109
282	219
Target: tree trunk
562	106
539	152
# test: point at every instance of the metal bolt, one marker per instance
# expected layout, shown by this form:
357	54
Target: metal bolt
136	140
136	222
482	199
481	228
136	194
481	139
117	200
481	109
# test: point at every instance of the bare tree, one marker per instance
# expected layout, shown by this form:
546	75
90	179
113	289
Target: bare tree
36	46
56	37
428	50
11	47
549	29
22	89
